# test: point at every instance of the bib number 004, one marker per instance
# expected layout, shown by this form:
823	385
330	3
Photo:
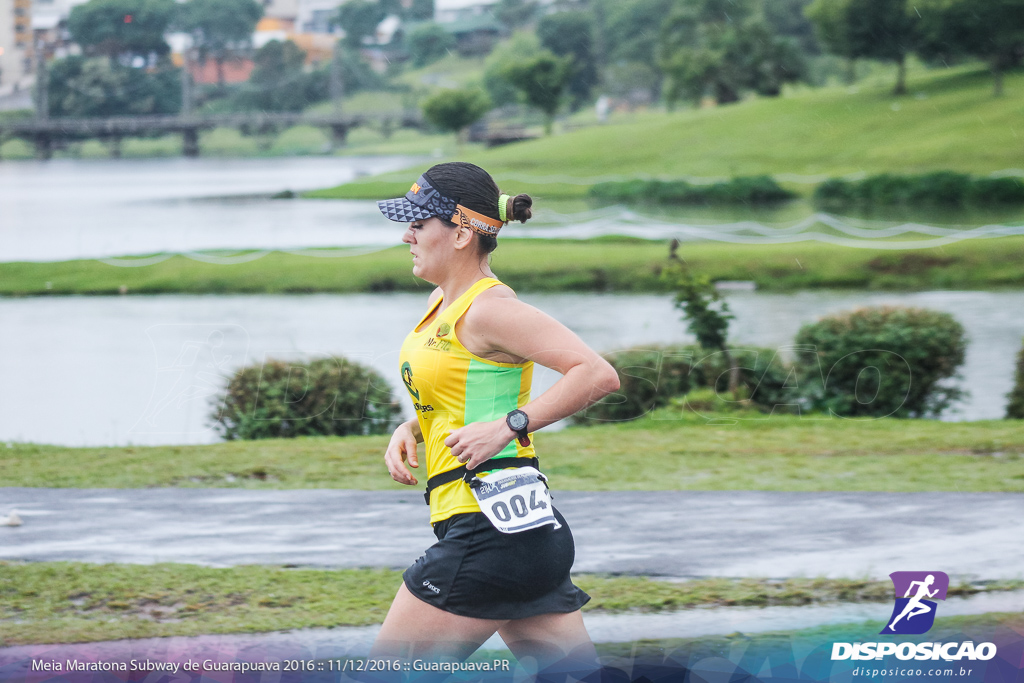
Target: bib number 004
518	507
515	499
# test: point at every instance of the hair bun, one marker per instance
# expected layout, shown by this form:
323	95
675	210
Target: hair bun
522	208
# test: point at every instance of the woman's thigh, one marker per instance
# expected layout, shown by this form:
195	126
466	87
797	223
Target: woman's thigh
550	639
413	628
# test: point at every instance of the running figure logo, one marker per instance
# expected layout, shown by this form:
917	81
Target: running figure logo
913	614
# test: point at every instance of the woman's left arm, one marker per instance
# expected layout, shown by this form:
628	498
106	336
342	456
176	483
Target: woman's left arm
509	326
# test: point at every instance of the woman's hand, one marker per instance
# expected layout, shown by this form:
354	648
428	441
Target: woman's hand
401	449
479	441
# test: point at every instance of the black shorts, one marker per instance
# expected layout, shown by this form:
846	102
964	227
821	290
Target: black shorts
474	570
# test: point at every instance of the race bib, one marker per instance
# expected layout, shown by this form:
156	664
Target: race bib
515	499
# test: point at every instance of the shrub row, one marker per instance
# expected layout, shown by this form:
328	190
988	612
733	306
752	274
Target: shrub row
871	362
942	187
742	190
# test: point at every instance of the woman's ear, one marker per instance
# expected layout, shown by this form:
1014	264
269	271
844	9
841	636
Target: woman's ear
463	237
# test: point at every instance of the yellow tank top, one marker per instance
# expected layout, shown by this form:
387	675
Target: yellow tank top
450	388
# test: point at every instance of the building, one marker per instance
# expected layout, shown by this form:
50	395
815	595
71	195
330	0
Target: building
15	44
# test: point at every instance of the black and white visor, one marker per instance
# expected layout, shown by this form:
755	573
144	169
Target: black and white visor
422	201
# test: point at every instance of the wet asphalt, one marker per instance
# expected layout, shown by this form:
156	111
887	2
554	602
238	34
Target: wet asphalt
661	533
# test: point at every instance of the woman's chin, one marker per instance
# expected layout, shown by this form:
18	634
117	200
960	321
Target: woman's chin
419	272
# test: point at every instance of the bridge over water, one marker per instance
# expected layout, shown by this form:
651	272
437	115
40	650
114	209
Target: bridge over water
47	133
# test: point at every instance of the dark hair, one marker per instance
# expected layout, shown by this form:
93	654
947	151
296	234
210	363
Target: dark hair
473	187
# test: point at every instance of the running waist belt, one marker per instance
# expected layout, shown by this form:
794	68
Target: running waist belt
461	472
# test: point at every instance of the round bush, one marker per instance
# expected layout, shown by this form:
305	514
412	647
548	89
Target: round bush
326	396
881	361
1015	409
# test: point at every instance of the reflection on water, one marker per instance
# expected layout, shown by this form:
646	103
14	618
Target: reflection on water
118	370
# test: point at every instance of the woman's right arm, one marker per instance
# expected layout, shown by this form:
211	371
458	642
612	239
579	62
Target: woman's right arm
402	449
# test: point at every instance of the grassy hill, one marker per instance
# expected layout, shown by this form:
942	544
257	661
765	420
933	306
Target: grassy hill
949	120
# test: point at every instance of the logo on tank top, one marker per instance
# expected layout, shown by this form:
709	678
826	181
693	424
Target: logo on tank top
413	391
407	380
436	343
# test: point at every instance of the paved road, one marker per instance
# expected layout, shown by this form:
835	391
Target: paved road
668	533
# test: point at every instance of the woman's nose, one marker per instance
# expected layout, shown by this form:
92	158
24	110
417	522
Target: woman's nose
407	237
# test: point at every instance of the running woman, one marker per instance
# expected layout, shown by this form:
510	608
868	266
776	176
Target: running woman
467	365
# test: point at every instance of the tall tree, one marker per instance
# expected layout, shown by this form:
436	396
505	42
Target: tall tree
219	27
787	20
724	48
885	30
428	43
832	30
514	13
121	28
879	29
541	81
571	34
420	10
99	86
359	19
278	82
992	30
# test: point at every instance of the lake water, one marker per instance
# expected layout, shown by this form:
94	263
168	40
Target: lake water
143	369
84	209
93	371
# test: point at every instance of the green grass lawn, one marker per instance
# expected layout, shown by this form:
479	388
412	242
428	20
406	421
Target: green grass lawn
69	602
600	264
758	452
949	120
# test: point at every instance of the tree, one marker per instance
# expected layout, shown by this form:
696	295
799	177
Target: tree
515	13
455	110
878	29
359	19
429	43
885	30
630	29
787	19
724	48
992	30
523	45
541	82
121	28
829	20
420	10
571	34
707	315
219	26
99	86
278	82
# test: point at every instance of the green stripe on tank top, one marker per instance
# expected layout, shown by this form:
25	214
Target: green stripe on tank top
491	392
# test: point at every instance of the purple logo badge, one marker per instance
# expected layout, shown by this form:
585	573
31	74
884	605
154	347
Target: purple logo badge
914	613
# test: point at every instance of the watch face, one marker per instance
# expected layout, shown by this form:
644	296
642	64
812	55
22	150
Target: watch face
517	420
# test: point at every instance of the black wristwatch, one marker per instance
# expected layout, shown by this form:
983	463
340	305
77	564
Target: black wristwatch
518	422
